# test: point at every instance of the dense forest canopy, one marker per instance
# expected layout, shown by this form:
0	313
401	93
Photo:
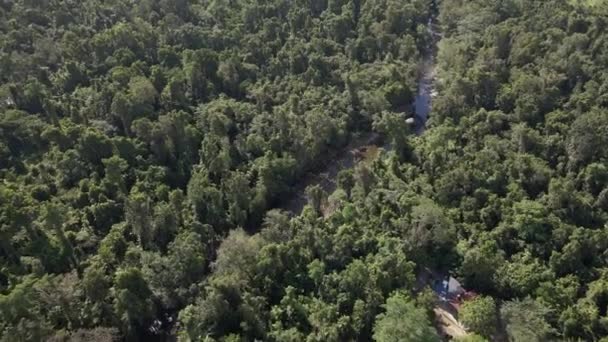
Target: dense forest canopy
144	145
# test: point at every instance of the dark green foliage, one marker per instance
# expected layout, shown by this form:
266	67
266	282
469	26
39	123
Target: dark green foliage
526	320
135	136
143	145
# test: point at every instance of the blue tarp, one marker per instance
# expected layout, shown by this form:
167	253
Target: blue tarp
447	287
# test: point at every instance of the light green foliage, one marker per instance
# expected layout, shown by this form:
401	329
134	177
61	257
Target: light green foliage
403	321
479	315
472	338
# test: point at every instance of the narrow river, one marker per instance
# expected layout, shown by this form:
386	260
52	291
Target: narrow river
365	148
422	102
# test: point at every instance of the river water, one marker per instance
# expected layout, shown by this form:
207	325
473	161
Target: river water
422	102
